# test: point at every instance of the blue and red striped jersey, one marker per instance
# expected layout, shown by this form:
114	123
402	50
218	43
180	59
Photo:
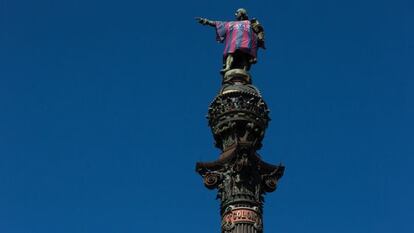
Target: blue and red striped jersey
237	35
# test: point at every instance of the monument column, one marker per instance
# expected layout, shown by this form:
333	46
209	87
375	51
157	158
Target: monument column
238	118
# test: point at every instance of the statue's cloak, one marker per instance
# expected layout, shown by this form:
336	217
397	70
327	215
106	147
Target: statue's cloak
237	36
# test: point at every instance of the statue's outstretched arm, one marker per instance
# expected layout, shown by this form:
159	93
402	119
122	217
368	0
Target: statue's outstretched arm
205	21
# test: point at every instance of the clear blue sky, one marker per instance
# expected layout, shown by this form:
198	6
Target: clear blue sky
103	104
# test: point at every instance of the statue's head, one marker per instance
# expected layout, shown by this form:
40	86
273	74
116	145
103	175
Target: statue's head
241	14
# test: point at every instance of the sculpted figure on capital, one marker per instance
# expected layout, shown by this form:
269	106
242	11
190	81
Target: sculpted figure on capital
242	38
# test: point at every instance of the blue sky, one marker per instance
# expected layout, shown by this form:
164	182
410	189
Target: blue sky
103	108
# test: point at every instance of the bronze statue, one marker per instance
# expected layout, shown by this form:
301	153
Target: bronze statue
242	38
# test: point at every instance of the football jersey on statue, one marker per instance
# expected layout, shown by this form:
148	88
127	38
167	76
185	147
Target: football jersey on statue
237	35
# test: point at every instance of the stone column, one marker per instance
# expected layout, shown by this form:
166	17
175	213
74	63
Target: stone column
238	118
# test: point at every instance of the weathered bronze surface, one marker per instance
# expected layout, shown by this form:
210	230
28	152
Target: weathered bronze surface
238	117
240	58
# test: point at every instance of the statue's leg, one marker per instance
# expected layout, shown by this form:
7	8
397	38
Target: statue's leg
246	62
229	62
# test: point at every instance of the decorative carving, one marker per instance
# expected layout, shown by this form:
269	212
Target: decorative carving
242	179
238	118
211	180
238	114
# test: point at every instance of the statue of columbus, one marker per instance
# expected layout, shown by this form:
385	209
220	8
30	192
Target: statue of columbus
241	37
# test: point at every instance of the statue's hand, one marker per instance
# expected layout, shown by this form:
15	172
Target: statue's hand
203	21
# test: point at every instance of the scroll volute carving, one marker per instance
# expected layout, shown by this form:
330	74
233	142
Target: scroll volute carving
212	180
270	184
